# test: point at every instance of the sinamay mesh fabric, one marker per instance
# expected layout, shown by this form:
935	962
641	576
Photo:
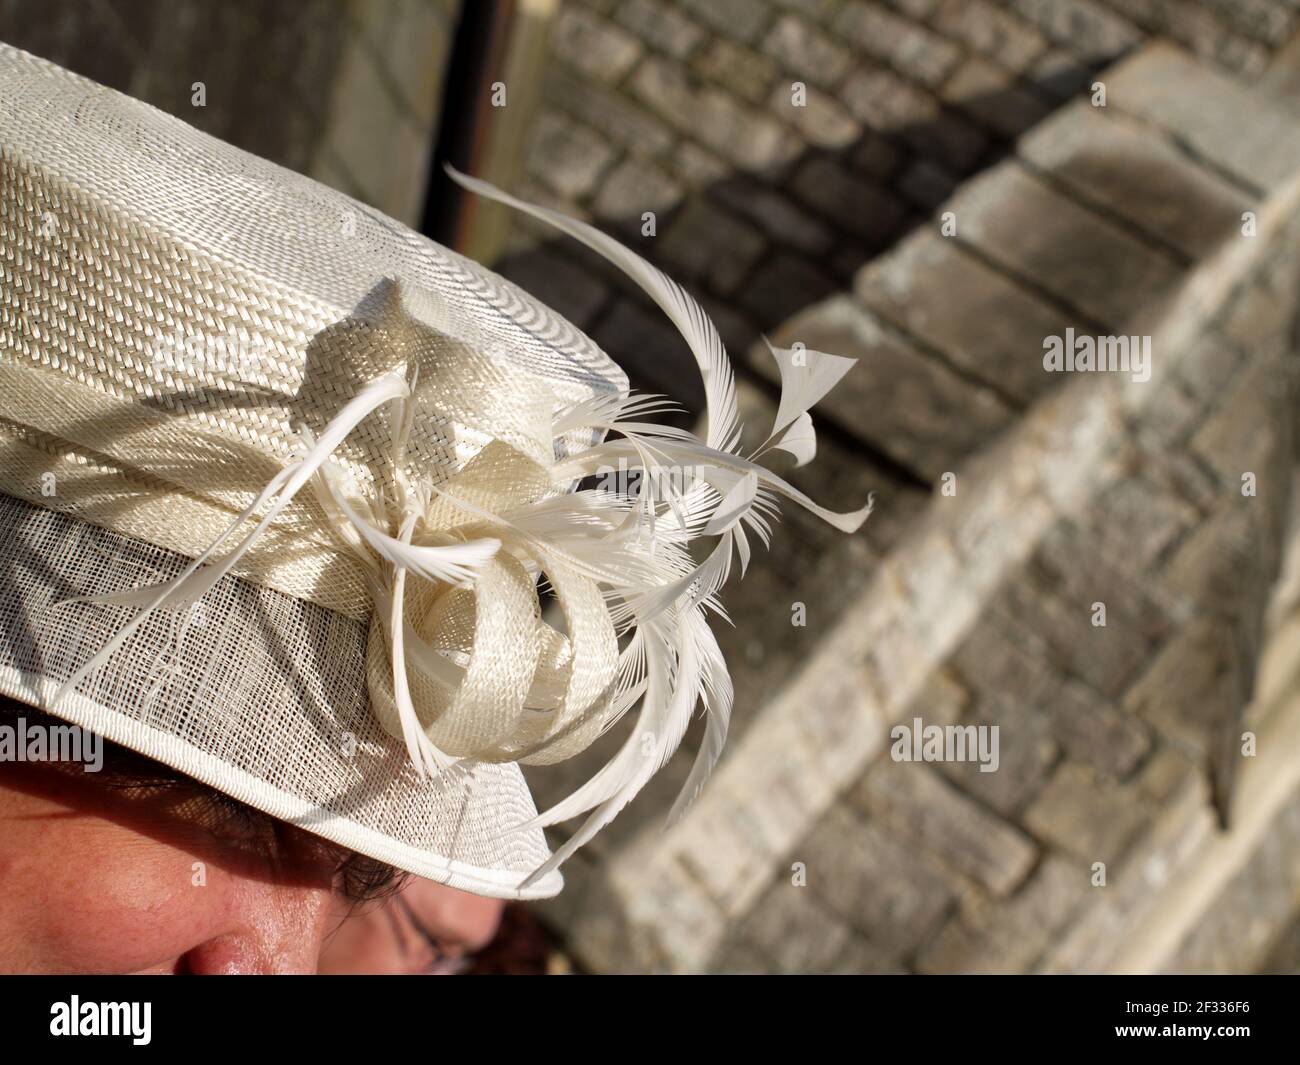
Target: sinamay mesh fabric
263	700
280	481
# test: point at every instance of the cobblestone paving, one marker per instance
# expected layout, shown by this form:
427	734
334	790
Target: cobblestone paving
1119	740
685	109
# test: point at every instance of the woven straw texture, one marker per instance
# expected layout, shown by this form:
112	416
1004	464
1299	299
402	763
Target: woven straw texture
172	311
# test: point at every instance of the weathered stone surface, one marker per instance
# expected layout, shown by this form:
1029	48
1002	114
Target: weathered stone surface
709	245
899	399
781	219
1085	27
1239	931
1135	883
743	19
1188	690
819	118
1007	937
913	49
953	140
858	205
632	188
661	26
921	806
568	157
1263	314
980	319
928	880
997	660
597	48
1085	815
926	184
993	96
794	928
1239	437
616	117
1107	657
1096	731
1099	562
807	53
750	139
874	880
1202	571
1060	75
876	156
992	30
739	958
784	284
885	102
1205	109
739	69
1027	752
861	957
1107	159
1082	258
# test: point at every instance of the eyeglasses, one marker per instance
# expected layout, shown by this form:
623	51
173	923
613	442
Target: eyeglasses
447	961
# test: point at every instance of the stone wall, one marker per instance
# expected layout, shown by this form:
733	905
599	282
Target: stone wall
684	108
347	91
813	850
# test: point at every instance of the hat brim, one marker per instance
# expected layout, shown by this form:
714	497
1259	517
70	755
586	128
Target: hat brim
223	697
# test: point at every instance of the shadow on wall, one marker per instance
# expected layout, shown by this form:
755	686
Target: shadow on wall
1077	262
156	51
757	248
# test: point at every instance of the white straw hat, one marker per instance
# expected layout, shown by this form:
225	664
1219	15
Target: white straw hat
279	479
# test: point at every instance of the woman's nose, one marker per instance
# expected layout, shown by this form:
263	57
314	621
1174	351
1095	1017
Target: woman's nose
271	923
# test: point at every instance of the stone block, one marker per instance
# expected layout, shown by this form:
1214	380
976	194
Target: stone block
1109	160
914	50
885	102
570	158
777	215
1027	751
660	26
854	204
991	30
590	44
806	53
819	118
875	880
1086	28
707	244
1239	131
1106	657
980	319
736	68
993	96
742	19
862	957
923	807
632	188
1096	731
1082	258
782	285
748	138
610	113
1087	816
792	926
1008	936
900	400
